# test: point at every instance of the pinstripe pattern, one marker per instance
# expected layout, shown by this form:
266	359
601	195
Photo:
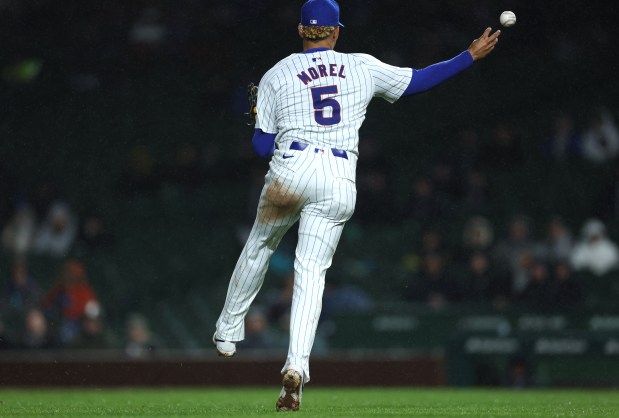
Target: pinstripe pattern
311	186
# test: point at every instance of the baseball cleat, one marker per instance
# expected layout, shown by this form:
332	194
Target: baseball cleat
292	389
224	348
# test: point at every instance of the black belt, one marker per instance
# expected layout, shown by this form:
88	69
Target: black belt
300	146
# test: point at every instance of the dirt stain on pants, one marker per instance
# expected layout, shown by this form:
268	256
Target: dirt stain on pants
278	203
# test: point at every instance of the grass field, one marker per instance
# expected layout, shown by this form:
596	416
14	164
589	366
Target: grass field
317	402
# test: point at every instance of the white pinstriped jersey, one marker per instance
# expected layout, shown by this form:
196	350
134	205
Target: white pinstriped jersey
321	96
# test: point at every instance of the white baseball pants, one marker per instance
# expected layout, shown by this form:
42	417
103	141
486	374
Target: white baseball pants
316	188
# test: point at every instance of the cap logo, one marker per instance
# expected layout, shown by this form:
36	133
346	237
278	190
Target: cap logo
319	13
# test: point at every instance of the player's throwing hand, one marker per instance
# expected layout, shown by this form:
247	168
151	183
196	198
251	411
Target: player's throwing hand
483	45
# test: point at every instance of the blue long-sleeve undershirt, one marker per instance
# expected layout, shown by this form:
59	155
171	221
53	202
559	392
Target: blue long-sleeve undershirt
435	74
263	143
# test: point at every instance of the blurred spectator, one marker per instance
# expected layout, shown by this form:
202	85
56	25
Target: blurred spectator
141	174
93	234
23	292
536	293
258	333
467	153
446	183
278	313
434	286
565	292
503	152
432	242
475	191
482	284
564	142
18	233
374	188
374	193
520	274
70	299
519	373
601	138
512	252
56	234
343	298
186	169
558	243
36	331
214	158
148	33
22	71
424	206
94	335
595	252
478	235
140	340
280	301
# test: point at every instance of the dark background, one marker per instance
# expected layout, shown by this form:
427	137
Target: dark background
133	112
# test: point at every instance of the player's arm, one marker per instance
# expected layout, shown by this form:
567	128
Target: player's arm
265	126
263	143
429	77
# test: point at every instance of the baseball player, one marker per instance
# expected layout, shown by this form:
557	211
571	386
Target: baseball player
310	107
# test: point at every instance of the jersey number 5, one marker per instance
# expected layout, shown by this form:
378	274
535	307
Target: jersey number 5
326	103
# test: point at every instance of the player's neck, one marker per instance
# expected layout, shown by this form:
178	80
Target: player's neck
325	43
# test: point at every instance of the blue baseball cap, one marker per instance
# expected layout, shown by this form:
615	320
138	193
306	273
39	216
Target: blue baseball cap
320	13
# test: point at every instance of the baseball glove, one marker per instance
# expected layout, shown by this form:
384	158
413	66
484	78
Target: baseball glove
252	98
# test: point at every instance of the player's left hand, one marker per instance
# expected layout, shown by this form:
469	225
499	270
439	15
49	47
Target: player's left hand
483	45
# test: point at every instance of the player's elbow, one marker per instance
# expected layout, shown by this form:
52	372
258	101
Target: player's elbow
263	143
262	153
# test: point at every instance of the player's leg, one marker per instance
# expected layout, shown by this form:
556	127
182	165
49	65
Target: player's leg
247	279
320	229
276	214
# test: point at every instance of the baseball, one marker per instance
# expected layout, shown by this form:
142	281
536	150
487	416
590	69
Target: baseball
508	18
